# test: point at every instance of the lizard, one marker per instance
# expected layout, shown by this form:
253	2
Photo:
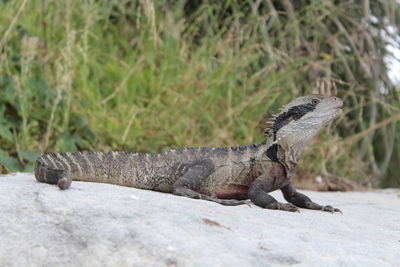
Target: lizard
225	175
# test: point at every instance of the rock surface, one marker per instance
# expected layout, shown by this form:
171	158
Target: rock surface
106	225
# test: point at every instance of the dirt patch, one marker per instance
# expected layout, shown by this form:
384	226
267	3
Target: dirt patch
214	223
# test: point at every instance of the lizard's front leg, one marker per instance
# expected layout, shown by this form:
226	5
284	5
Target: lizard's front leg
191	181
302	201
259	196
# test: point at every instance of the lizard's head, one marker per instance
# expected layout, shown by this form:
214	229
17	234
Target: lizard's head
302	119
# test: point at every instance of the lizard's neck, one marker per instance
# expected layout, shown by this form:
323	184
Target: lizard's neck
280	152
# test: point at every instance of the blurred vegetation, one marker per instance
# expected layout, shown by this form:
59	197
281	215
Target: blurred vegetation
151	75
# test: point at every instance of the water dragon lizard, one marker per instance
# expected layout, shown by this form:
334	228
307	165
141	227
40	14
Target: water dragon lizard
226	175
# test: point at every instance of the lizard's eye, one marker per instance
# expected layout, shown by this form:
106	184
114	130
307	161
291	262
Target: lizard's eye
315	101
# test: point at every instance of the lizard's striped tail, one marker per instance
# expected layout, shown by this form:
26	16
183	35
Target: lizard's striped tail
46	174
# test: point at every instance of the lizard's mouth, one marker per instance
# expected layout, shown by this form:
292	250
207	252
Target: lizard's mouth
331	112
330	115
324	115
338	111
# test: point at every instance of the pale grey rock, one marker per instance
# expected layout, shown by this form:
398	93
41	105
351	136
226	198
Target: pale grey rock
106	225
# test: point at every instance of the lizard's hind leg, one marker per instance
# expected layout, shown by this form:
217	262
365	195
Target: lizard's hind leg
192	179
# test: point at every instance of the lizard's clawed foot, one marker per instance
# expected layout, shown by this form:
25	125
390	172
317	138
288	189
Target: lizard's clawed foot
283	206
315	206
331	209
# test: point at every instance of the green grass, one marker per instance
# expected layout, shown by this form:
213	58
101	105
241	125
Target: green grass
153	75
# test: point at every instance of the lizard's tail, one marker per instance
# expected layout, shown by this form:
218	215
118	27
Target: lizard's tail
47	174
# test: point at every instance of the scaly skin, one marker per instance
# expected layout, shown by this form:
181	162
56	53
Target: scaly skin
226	175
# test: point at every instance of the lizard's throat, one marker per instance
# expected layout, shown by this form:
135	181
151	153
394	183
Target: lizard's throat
291	145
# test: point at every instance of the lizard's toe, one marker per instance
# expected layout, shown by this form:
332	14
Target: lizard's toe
283	206
289	207
331	209
230	202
